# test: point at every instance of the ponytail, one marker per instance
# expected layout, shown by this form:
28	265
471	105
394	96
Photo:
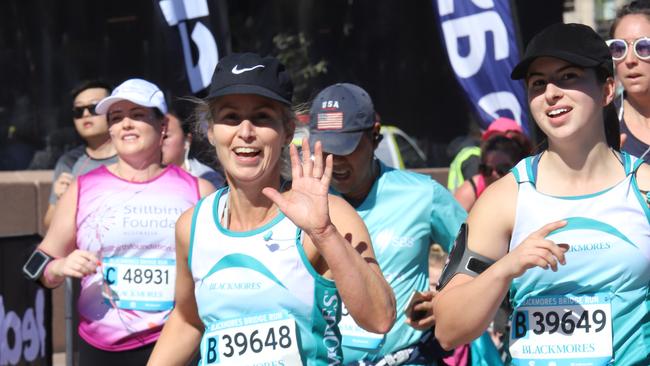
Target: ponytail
612	127
610	117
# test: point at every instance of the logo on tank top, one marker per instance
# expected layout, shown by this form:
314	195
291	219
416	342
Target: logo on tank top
149	217
97	225
584	234
590	247
240	272
331	340
234	286
387	238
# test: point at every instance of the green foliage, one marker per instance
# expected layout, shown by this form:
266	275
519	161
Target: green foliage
293	51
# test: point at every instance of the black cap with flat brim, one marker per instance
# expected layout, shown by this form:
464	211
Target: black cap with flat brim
576	44
249	73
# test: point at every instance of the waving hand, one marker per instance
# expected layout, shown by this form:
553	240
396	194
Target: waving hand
306	204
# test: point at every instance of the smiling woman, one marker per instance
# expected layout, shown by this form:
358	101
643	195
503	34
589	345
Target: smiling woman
570	240
112	230
267	259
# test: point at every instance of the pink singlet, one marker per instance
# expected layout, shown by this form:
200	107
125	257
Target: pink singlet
130	227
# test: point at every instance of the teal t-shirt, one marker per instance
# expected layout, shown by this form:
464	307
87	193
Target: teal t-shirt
405	213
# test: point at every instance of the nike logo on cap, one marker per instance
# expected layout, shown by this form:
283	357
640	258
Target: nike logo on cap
237	71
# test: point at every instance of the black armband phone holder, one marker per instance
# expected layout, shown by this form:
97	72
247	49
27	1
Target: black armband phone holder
463	260
35	265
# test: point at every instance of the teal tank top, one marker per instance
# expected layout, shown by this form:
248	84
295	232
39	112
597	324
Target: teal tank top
257	294
595	309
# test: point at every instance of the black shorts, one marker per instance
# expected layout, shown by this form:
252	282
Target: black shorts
89	355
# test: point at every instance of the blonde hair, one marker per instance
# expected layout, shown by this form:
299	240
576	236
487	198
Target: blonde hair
437	256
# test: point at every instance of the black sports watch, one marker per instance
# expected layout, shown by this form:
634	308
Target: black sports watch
35	265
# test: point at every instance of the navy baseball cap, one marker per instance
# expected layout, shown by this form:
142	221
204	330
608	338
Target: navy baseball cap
576	44
339	116
250	73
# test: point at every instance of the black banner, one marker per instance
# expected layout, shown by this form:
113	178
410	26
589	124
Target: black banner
195	35
25	308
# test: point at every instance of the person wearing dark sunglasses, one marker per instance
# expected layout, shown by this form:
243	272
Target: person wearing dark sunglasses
97	148
630	49
499	153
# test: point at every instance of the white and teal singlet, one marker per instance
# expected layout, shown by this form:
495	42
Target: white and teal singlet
595	309
405	213
261	301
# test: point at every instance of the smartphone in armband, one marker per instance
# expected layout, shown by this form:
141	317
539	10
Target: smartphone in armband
35	265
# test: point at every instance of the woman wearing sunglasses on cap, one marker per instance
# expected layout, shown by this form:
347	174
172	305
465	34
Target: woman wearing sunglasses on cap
264	264
567	232
114	230
630	48
499	154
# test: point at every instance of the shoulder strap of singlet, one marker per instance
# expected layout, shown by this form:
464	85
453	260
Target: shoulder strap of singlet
526	170
480	185
630	163
471	183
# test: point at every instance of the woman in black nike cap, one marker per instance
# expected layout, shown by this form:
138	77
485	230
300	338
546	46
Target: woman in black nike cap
570	240
263	264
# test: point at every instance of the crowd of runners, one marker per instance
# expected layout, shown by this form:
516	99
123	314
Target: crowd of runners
319	254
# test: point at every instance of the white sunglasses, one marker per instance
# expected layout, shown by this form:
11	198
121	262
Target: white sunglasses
618	48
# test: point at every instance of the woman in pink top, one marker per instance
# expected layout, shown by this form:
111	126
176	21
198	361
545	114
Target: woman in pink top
499	153
114	229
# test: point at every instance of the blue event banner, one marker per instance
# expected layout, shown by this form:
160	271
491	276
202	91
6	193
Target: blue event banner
482	47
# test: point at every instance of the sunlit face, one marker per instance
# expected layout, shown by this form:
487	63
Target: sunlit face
633	72
134	129
566	100
89	125
175	142
353	174
248	133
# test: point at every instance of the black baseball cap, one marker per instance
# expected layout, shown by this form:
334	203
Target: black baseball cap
576	44
250	73
339	116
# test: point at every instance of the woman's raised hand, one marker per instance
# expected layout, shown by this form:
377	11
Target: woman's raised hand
536	251
306	203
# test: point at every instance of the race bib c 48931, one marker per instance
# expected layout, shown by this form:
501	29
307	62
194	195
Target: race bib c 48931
562	330
140	283
253	340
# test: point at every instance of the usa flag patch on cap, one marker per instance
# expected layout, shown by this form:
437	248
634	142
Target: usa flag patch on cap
330	121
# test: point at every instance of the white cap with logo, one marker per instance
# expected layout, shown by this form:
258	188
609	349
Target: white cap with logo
138	91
